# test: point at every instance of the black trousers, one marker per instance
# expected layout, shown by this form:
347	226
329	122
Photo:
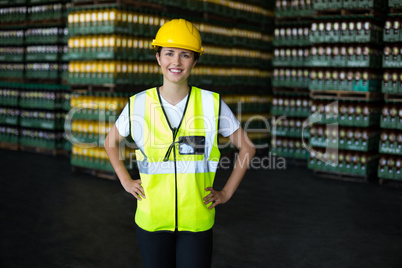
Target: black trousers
164	249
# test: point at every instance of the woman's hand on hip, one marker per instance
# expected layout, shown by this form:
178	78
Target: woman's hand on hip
216	197
134	187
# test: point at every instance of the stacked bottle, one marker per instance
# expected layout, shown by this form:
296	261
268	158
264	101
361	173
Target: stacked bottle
345	60
113	72
12	51
11	71
344	162
13	14
42	113
90	120
238	57
253	111
11	43
41	139
46	46
45	53
12	37
390	144
112	33
355	55
288	125
9	114
43	102
96	158
256	11
291	77
46	12
31	53
293	9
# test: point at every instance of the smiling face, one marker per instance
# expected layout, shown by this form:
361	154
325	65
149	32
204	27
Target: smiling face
176	64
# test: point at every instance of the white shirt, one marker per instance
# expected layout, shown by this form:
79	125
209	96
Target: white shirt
228	123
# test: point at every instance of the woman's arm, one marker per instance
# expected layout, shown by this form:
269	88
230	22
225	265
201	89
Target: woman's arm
112	147
246	153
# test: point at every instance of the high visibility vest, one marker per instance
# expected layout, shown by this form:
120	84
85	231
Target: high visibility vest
175	164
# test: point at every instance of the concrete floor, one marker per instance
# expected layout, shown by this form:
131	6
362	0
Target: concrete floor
52	217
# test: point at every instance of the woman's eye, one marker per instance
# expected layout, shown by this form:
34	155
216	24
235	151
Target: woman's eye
169	54
186	56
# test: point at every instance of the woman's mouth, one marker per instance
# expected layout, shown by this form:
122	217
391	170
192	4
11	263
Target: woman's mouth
175	71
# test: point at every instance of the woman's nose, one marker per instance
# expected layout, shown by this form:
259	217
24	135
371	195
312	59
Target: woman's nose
177	60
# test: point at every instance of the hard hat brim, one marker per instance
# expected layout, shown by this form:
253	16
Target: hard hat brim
155	45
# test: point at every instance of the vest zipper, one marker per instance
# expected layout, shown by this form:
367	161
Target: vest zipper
175	175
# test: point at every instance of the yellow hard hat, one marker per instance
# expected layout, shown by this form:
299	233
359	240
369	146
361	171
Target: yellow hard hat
179	33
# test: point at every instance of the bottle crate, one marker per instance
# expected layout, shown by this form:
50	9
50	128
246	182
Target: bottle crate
12	54
52	53
13	14
391	142
9	134
297	106
9	96
346	31
356	139
113	20
84	131
392	57
291	77
41	138
390	167
41	119
348	4
391	117
110	47
12	37
112	72
12	70
294	57
97	158
291	36
345	80
290	127
289	9
42	70
325	4
345	56
345	113
392	82
392	29
289	147
41	96
9	116
98	106
348	162
46	12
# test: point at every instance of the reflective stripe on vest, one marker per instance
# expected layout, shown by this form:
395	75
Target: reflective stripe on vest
175	188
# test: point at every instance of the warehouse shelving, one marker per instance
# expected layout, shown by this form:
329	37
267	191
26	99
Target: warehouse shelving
33	34
345	86
390	144
291	76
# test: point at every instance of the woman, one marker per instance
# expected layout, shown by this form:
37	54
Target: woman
175	128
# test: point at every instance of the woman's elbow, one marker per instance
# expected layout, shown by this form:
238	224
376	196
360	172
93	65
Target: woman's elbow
252	150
